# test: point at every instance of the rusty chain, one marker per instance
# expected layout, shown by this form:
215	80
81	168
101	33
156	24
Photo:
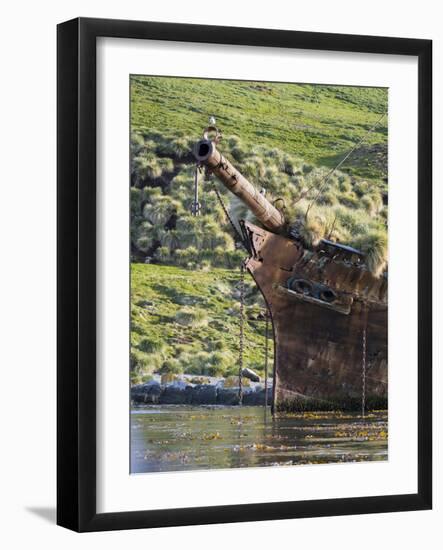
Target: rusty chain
363	365
242	332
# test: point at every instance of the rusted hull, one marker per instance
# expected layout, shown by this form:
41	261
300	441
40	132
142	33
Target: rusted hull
323	358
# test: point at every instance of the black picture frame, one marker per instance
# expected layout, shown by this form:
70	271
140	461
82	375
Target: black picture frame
76	265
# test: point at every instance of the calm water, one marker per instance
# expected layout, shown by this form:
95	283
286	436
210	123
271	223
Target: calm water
180	437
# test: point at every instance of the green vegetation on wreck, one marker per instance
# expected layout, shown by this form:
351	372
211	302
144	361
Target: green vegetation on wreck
188	322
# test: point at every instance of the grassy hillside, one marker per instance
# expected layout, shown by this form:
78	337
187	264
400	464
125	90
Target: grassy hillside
186	321
283	137
316	123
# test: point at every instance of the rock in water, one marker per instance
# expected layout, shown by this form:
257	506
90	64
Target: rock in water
174	395
227	396
204	394
147	393
252	375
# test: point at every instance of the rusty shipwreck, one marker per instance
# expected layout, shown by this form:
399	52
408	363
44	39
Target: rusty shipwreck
328	311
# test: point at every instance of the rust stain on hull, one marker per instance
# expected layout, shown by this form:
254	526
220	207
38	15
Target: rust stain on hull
318	347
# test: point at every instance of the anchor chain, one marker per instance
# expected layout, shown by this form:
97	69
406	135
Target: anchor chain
196	205
266	357
240	238
242	333
363	364
225	210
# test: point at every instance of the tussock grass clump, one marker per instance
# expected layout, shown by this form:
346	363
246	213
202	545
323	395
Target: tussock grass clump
344	184
166	165
216	345
355	223
221	257
349	199
139	361
171	366
372	204
137	378
237	148
290	165
151	345
143	365
146	234
207	363
135	199
328	198
144	243
312	230
195	363
169	239
374	244
146	167
180	147
191	317
186	257
137	144
159	211
162	254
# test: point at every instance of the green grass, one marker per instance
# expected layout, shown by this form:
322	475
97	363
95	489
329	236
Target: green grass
168	336
315	122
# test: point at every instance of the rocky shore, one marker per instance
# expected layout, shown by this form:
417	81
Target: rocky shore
185	392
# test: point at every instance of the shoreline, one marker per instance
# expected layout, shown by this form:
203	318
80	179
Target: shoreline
220	391
184	392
